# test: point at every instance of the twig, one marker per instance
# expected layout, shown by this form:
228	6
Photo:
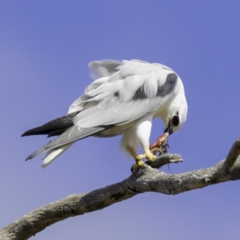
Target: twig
232	156
165	159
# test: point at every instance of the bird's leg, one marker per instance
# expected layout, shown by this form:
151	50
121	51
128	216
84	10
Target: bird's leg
143	131
147	154
139	162
138	158
150	151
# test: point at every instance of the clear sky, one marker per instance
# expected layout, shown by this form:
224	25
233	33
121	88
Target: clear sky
45	47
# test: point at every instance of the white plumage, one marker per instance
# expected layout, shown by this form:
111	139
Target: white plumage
123	99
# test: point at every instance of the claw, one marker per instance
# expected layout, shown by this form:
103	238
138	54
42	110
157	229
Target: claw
156	150
141	156
148	154
134	167
160	150
138	164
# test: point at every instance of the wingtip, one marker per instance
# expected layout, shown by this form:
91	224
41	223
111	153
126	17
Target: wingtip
24	134
44	166
27	133
29	157
35	154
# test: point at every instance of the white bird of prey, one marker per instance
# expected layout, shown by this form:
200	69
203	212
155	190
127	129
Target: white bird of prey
123	99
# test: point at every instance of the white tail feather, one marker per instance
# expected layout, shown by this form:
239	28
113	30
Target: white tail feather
53	154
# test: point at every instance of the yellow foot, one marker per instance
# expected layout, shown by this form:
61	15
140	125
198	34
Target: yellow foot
160	151
148	154
151	156
138	164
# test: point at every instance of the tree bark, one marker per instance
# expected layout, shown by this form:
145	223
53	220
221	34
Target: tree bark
144	179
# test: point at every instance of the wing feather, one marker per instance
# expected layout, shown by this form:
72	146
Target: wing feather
69	136
105	68
124	93
127	95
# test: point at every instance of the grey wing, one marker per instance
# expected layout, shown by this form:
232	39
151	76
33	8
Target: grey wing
134	90
100	71
104	68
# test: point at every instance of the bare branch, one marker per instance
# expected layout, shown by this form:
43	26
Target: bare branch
232	156
144	179
165	159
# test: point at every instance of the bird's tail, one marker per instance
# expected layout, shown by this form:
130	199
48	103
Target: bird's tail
67	133
53	128
53	154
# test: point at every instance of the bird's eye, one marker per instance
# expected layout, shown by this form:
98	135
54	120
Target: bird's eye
175	120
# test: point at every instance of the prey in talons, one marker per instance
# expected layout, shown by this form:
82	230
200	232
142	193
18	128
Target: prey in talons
159	146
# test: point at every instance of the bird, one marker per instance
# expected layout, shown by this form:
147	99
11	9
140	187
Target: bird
123	99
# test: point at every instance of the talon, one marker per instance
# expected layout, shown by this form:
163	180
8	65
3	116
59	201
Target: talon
156	150
140	157
150	156
139	163
135	166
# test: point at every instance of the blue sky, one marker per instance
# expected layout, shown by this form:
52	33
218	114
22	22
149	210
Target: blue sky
44	51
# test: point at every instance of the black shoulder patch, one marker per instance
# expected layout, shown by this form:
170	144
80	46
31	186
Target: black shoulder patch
116	94
140	94
168	86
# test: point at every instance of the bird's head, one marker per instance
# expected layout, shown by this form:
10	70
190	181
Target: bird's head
176	114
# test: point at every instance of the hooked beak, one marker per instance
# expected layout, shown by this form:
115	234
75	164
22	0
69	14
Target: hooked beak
168	130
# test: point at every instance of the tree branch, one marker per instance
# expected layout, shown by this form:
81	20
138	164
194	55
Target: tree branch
144	179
